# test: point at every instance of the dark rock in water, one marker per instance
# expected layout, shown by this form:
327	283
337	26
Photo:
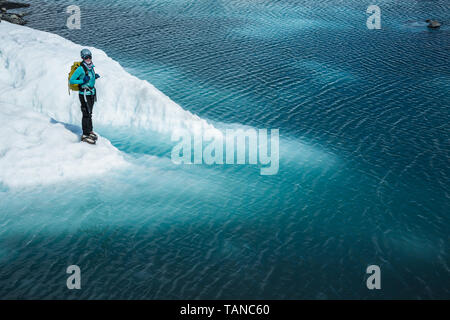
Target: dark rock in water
433	24
13	5
13	18
16	18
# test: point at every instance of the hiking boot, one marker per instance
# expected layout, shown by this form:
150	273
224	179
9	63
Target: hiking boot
93	135
88	139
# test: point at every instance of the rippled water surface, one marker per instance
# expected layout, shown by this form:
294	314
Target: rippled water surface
364	169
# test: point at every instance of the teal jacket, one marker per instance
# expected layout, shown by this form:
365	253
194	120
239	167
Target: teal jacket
77	78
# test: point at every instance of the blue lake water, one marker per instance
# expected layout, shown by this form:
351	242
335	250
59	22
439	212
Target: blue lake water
364	158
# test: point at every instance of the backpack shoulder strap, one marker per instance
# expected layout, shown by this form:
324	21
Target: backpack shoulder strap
85	72
84	68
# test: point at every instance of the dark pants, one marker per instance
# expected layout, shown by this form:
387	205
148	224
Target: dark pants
86	109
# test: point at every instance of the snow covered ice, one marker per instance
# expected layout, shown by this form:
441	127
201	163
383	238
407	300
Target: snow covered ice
36	149
39	120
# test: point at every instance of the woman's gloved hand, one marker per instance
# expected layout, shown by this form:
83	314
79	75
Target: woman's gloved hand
86	79
97	76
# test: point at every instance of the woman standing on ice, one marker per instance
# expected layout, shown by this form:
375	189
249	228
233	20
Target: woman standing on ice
85	77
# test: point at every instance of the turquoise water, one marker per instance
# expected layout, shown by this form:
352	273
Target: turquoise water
364	159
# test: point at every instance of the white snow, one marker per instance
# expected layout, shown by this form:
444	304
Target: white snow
39	121
35	149
33	73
